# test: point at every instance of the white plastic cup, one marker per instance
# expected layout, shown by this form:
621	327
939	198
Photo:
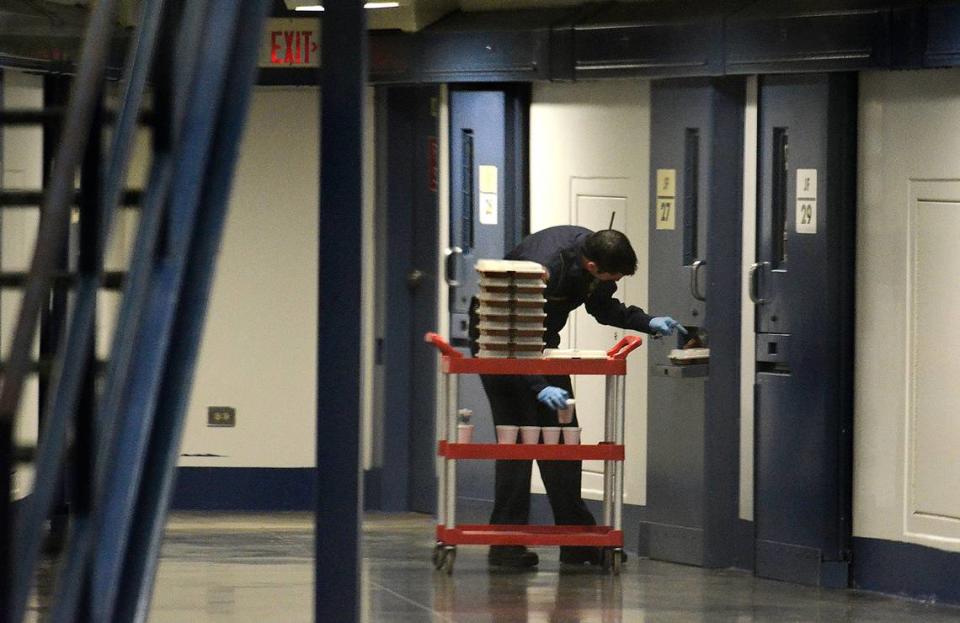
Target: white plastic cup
530	434
551	435
464	433
507	433
571	435
565	415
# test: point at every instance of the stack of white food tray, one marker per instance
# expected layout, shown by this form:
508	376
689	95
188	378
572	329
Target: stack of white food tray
511	308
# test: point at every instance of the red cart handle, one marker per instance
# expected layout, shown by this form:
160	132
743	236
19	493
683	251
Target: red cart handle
623	348
442	345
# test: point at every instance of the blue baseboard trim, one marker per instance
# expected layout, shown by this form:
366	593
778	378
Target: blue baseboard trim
906	569
245	488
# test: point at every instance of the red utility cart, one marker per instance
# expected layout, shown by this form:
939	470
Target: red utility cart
611	451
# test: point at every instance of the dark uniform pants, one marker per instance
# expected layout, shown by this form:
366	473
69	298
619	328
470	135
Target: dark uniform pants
513	402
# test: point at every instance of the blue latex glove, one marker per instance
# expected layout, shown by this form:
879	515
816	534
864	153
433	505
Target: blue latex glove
664	325
553	397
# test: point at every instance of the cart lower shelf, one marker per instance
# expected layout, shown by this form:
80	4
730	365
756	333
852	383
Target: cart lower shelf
559	452
479	534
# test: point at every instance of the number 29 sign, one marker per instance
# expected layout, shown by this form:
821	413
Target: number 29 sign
806	222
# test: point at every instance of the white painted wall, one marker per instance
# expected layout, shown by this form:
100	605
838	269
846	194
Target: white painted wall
905	478
259	346
22	161
599	130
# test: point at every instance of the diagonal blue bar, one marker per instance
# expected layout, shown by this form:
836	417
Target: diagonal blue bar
157	485
71	365
124	462
75	570
54	219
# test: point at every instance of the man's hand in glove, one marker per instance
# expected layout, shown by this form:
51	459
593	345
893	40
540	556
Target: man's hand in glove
665	325
553	397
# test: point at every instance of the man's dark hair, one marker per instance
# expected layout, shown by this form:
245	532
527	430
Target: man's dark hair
611	251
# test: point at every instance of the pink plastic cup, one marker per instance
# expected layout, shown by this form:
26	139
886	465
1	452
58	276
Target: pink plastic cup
507	433
551	435
464	433
571	435
530	434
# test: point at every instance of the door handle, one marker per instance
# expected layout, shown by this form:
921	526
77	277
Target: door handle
755	282
695	281
452	263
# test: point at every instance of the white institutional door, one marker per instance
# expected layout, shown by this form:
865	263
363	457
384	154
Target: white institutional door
593	202
593	212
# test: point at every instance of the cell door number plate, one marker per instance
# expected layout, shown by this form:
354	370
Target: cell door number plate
806	201
666	198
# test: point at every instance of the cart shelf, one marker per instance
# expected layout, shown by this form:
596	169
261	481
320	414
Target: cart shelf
529	452
615	364
594	536
611	450
488	365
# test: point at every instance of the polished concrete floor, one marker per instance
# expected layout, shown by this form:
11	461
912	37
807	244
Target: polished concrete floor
258	568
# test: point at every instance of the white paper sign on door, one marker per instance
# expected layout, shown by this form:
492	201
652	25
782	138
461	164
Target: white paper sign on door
489	188
488	208
806	201
666	196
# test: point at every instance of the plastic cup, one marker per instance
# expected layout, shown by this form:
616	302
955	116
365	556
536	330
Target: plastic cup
565	415
551	435
571	435
507	433
530	434
464	433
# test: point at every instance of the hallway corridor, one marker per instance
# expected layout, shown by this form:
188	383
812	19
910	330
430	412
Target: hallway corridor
258	568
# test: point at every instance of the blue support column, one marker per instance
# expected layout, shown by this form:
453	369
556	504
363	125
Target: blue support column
339	502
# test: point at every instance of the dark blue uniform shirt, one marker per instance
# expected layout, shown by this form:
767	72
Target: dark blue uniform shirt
570	285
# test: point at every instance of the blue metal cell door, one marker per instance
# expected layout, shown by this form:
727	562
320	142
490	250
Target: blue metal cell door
488	210
410	246
803	290
692	436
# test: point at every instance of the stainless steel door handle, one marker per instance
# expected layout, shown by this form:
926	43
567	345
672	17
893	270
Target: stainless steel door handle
755	283
452	263
695	281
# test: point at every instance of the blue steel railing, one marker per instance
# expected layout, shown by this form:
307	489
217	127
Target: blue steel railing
199	108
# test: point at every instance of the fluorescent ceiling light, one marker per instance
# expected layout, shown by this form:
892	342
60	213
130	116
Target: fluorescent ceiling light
368	5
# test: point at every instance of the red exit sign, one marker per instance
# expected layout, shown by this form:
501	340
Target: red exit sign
291	43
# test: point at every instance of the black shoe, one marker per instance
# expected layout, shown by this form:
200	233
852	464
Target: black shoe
514	556
585	555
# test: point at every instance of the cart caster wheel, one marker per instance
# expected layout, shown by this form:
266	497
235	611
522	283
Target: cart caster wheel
613	560
617	562
437	557
448	558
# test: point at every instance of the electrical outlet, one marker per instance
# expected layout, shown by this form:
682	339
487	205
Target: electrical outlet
221	416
